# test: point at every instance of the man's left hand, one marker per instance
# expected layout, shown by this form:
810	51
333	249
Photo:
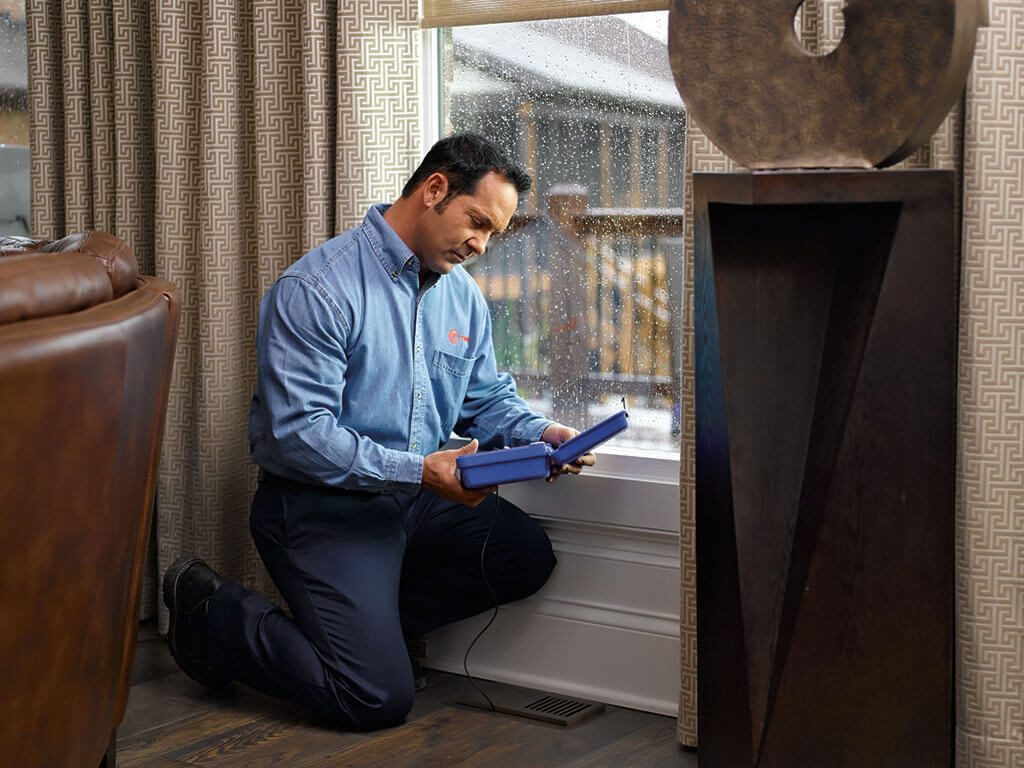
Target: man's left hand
556	434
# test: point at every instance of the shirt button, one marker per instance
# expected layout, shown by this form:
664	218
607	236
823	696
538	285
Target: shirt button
414	445
420	395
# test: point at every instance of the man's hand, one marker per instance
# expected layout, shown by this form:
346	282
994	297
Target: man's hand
556	434
439	476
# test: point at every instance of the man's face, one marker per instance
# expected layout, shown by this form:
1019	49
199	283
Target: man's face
464	224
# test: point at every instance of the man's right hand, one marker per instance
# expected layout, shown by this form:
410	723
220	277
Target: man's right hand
439	476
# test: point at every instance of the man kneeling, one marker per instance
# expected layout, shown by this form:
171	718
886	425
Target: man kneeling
372	349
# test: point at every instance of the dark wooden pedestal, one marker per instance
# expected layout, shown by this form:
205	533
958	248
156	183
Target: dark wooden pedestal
825	371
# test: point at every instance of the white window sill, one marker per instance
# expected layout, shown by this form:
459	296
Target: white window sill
627	489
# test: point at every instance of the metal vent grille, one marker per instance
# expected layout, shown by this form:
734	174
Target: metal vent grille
548	708
556	706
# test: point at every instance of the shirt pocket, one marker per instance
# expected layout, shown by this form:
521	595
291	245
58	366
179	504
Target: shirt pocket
449	375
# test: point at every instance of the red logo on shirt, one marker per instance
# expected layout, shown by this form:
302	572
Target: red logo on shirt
454	336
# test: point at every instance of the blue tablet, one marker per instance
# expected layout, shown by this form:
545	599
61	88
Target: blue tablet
589	439
533	461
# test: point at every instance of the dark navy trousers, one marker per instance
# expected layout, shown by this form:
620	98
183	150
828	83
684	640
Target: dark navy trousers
360	572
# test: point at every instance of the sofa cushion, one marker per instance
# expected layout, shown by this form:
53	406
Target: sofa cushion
41	279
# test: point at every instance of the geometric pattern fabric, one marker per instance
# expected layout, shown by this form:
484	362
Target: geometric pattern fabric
990	490
221	141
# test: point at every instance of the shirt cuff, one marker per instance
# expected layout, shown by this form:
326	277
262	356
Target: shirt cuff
404	472
533	430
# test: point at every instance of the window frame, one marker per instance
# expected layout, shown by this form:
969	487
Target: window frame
451	13
646	467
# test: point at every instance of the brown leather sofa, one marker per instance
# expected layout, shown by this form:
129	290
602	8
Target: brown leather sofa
86	348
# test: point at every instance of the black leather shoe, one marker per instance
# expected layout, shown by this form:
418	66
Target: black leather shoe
188	586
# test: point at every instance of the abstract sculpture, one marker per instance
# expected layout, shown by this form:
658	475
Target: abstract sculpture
767	103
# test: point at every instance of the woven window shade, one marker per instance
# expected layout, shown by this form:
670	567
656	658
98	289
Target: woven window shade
455	13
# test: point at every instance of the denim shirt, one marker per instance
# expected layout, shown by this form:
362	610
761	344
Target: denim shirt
362	371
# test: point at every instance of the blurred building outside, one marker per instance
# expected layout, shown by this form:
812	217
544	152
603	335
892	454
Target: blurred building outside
585	289
14	154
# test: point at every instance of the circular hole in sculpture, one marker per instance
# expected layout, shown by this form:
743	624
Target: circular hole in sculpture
819	26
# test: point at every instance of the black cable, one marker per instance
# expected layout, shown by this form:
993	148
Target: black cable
494	597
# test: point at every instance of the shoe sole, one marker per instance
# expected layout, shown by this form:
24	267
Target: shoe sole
172	578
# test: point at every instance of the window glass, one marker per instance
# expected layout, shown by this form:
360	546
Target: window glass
14	167
585	287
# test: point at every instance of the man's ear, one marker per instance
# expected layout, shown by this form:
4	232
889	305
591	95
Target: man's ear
434	190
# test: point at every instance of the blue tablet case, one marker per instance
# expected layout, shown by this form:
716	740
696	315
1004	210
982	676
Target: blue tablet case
533	461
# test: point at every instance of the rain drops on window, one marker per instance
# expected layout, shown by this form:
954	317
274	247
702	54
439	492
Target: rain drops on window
585	288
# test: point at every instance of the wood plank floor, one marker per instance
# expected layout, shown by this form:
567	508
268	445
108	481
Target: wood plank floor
173	722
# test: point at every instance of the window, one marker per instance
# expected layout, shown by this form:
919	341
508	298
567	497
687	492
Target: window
14	166
585	289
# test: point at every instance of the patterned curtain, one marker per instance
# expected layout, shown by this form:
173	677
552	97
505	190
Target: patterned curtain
221	141
820	27
990	482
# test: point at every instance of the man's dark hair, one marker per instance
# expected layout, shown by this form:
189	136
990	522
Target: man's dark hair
464	159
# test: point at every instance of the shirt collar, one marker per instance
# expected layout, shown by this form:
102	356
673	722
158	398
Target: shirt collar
394	255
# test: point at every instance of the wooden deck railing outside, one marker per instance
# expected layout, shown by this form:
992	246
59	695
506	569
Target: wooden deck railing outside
585	304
